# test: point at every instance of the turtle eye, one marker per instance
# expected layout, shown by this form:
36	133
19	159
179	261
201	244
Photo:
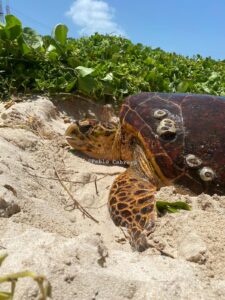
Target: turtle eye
85	128
84	125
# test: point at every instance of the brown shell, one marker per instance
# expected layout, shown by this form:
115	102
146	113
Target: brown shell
200	132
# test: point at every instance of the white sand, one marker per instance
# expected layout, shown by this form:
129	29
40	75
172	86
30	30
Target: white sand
41	231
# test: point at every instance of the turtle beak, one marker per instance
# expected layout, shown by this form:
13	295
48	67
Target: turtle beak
74	137
72	131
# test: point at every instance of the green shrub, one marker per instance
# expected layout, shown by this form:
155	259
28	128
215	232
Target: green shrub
104	67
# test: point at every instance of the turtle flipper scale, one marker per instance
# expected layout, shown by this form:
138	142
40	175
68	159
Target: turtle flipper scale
132	205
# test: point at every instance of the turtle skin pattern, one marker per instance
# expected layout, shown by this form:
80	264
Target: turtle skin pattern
199	124
197	132
168	139
132	203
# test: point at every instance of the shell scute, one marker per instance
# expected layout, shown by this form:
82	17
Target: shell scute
199	127
133	119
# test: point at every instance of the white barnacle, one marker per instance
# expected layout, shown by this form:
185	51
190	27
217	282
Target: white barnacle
193	161
159	114
207	174
167	129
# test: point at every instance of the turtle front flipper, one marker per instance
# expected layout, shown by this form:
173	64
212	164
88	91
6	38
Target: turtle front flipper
132	202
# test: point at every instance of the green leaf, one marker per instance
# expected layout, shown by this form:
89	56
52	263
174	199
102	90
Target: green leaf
171	207
214	76
12	21
25	49
183	86
108	87
6	296
13	27
13	32
204	87
108	77
32	38
86	84
83	72
70	86
60	33
150	61
50	48
52	53
2	258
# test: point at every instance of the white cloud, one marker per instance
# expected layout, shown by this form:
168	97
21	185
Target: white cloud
94	16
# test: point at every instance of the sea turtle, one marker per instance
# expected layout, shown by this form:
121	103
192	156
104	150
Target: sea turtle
166	139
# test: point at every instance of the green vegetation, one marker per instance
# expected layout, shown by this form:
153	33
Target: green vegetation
104	67
171	207
42	282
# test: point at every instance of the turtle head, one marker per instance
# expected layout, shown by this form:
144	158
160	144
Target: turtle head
92	137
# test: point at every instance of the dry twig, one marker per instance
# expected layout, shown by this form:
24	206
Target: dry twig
66	180
96	188
76	204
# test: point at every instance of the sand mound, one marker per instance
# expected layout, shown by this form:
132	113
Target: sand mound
41	231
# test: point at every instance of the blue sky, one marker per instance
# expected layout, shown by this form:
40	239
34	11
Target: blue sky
186	27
